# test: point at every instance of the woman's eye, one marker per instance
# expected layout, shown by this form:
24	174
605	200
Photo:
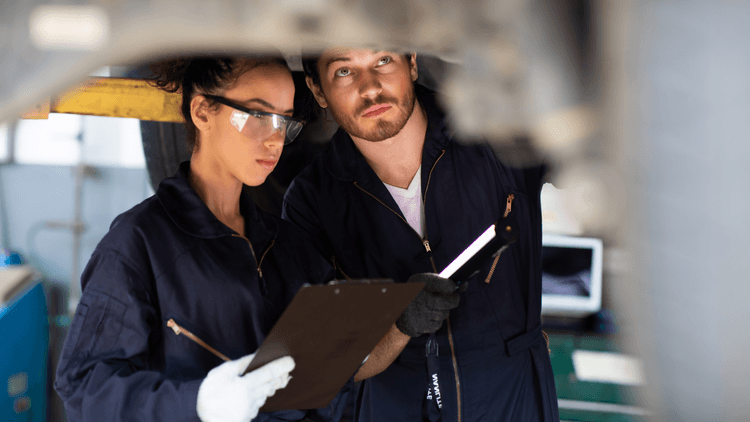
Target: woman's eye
384	60
342	72
262	119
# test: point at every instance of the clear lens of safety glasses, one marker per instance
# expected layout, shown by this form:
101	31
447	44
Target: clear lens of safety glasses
261	124
264	125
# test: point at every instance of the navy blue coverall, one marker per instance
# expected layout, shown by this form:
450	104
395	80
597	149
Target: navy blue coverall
170	258
493	360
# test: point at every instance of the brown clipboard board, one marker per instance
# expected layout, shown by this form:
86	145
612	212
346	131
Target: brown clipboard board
329	330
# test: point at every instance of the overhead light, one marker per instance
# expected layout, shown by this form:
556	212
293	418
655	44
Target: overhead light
70	27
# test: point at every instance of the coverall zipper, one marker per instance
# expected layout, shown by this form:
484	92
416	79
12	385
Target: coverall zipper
425	242
508	207
508	204
455	369
179	330
257	263
427	248
337	268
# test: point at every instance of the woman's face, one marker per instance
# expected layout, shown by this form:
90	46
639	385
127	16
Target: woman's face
250	158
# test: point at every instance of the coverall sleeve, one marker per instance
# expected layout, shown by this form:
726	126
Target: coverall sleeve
105	371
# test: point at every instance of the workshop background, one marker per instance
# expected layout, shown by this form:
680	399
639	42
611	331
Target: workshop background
641	106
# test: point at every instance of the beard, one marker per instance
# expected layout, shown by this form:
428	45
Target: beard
384	129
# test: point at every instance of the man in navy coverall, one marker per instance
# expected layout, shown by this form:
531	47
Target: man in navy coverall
395	194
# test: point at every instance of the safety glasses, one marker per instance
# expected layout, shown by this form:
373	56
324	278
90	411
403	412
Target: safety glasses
260	124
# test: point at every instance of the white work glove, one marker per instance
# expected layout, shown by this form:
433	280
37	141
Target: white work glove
226	396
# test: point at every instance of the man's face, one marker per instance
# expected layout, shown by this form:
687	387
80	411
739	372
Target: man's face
370	93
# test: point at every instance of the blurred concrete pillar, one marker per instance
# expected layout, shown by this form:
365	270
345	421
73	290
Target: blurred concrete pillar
679	97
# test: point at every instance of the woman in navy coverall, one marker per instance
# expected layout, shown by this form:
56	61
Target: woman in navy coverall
187	284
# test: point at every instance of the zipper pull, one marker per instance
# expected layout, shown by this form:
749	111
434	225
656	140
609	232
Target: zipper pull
260	272
508	204
426	244
176	328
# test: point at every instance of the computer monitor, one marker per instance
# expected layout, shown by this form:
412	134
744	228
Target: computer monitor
571	275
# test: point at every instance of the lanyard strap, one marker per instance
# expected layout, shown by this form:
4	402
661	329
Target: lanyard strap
433	401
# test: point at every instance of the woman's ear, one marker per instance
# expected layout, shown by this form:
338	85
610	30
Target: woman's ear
199	112
317	92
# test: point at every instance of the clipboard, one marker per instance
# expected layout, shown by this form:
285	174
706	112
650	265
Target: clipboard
329	330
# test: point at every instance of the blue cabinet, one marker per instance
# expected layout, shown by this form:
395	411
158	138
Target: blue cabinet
24	336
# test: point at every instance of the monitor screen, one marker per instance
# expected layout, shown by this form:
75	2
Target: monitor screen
571	275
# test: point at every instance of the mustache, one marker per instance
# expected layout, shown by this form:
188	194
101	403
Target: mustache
380	99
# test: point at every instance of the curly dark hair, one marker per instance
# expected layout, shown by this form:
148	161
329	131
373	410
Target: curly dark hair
310	67
203	75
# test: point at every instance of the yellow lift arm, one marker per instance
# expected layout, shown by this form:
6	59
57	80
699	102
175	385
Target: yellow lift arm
114	97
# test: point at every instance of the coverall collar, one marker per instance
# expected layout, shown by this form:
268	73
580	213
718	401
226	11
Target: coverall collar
188	211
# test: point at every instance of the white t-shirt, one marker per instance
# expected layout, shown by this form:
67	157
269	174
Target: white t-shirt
410	202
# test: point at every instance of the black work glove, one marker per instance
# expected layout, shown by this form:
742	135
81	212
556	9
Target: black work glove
426	313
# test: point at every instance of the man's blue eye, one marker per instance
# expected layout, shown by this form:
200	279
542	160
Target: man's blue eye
384	60
342	72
